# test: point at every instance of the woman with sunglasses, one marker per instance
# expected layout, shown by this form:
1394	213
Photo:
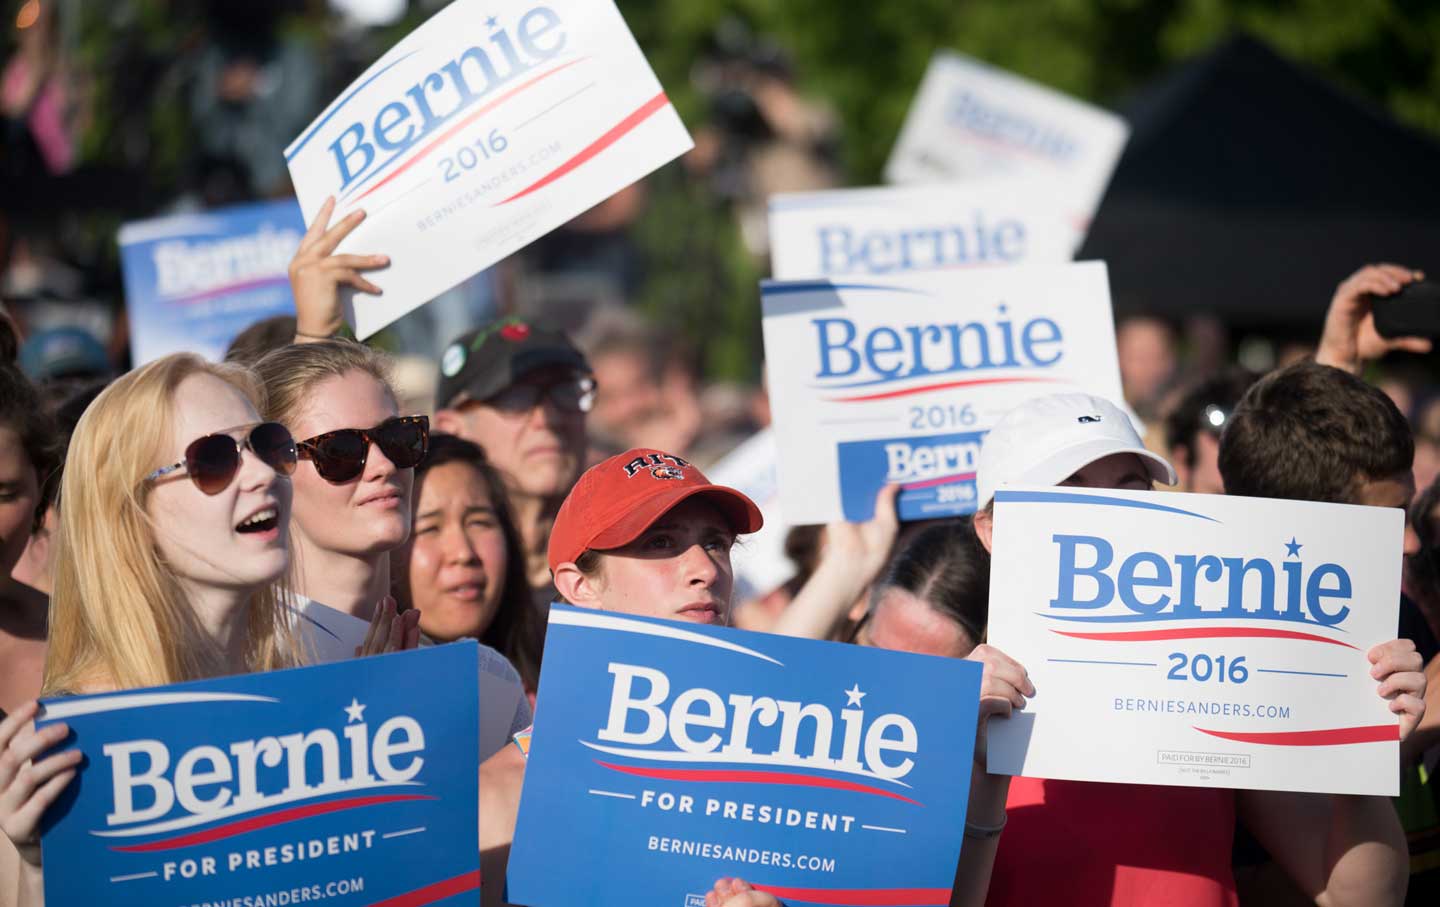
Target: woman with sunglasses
353	492
172	544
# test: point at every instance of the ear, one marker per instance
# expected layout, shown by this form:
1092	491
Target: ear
449	422
984	526
577	588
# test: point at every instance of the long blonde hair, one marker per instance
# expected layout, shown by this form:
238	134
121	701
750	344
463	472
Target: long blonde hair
118	617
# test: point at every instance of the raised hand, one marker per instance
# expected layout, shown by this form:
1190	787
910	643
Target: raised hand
317	273
1350	339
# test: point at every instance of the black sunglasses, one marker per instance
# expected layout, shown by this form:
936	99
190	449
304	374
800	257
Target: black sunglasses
569	395
340	455
213	460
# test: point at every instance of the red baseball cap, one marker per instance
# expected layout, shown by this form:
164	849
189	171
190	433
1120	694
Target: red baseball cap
617	500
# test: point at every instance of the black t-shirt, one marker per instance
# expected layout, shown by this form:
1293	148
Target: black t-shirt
1414	626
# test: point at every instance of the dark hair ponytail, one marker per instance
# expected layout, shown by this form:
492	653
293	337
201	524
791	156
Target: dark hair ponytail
944	566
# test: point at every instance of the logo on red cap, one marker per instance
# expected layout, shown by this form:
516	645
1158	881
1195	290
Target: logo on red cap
657	467
515	332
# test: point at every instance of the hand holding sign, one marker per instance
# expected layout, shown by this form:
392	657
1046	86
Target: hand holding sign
1400	670
28	785
317	273
738	893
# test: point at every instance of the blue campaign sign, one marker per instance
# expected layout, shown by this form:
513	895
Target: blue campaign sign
667	755
194	281
936	474
352	783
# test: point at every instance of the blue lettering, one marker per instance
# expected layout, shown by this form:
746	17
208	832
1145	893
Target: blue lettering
1128	581
1190	566
382	126
1105	587
342	158
883	341
1315	593
827	248
544	20
1029	340
1239	567
827	346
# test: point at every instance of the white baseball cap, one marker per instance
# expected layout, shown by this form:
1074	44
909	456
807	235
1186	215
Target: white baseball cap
1046	440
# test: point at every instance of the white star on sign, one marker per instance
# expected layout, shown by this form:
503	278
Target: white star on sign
854	696
354	711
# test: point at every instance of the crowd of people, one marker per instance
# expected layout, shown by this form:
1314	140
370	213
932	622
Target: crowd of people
293	505
189	519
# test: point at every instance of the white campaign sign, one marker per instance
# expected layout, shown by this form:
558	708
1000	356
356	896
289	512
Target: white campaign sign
482	130
845	232
897	379
970	120
1196	640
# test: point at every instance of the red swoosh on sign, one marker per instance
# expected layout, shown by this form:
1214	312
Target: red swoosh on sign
864	897
751	777
1203	633
926	388
469	881
1378	733
611	136
268	820
469	118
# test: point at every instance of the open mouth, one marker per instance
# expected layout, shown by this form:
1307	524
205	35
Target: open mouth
263	521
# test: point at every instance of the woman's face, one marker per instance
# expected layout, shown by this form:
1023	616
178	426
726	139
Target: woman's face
199	535
19	493
902	621
370	514
457	553
678	569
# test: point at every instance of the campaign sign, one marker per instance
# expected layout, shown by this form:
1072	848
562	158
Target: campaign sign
481	131
896	380
351	783
850	232
669	754
971	120
1196	640
194	281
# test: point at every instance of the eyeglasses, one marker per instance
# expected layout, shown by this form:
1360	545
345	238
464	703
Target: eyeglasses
340	455
570	395
213	460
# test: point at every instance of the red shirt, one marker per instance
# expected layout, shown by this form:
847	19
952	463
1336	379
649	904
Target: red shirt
1082	843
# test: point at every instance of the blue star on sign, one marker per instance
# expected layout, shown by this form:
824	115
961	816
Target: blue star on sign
1293	547
492	22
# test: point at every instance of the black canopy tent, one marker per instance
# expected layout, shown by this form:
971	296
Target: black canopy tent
1251	187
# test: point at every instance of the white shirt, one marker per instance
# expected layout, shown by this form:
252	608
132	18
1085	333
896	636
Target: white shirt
504	708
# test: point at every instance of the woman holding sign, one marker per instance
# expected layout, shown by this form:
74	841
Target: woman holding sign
170	561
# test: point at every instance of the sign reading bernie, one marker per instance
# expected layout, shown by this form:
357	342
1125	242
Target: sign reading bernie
481	131
1195	639
897	379
850	232
668	754
333	783
194	281
973	121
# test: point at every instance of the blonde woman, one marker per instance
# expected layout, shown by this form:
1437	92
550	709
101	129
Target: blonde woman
172	547
353	492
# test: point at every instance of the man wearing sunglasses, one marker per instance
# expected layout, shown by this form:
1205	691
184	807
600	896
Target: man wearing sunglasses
521	393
